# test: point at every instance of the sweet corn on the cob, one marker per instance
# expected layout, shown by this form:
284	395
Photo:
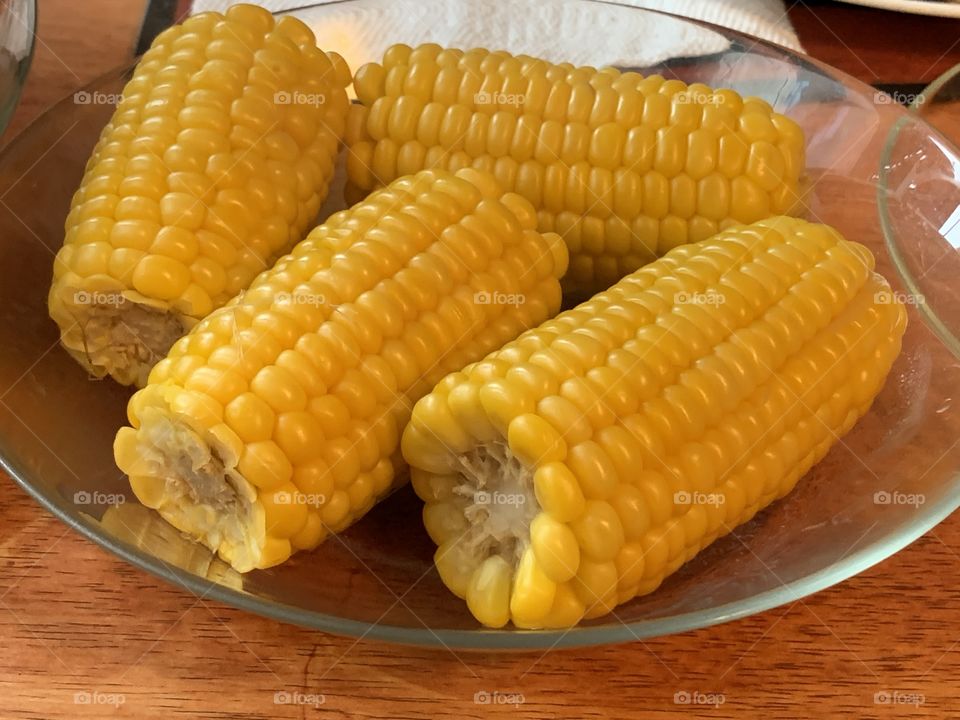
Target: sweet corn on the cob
624	167
214	163
581	464
277	420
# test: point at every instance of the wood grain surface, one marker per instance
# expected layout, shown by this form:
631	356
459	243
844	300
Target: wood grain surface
83	634
877	46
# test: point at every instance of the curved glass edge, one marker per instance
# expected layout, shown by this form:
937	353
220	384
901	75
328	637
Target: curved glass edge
519	640
481	639
23	68
934	87
929	316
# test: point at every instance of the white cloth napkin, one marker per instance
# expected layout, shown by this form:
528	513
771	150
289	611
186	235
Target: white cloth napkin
597	33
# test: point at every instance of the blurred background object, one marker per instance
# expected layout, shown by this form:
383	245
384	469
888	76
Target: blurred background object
18	24
75	44
937	8
877	46
882	48
365	28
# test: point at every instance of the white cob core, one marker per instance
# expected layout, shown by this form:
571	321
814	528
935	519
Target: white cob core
201	496
502	502
123	338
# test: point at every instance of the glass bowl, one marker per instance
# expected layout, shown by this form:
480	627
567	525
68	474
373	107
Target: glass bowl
18	33
928	270
889	481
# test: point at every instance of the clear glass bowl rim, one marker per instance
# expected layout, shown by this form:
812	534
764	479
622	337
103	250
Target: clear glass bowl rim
933	320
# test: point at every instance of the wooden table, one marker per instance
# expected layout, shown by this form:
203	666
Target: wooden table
75	619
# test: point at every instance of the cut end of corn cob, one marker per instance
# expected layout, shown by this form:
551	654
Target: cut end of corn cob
216	161
118	335
276	421
202	493
584	462
624	167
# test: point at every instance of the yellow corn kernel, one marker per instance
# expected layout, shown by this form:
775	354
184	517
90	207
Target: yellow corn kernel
277	420
456	566
558	492
218	170
534	440
264	465
625	435
148	489
285	510
488	594
555	546
668	162
531	592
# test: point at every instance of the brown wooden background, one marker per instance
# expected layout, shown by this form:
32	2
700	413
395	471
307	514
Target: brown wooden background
74	619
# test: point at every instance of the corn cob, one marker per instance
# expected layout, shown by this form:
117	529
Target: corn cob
581	464
624	167
214	163
277	420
